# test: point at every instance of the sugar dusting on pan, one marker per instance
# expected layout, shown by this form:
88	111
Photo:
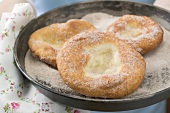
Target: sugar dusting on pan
157	76
44	73
100	20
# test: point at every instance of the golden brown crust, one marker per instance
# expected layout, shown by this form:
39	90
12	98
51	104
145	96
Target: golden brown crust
74	58
141	32
46	42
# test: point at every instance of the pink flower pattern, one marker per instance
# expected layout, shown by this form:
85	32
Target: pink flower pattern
13	28
2	36
15	105
7	19
2	70
23	14
8	49
76	111
45	107
19	93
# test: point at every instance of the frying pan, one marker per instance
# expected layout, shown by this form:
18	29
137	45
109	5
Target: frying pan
78	10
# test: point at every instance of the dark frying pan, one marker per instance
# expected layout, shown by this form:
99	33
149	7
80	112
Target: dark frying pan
77	10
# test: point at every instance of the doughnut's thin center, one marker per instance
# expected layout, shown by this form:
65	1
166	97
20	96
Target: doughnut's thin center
52	40
104	59
131	31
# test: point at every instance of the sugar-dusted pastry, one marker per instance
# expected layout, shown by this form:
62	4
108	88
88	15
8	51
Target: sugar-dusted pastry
98	65
141	32
46	42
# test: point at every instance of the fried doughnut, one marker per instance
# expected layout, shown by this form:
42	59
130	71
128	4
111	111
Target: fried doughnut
141	32
46	42
97	65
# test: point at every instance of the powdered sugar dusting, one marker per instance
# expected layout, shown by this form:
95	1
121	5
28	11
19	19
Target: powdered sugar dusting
100	20
94	35
101	64
146	28
157	76
45	74
76	41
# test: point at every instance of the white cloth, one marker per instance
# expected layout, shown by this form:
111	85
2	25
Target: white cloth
1	1
17	95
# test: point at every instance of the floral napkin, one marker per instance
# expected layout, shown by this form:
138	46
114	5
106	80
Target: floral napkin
17	94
